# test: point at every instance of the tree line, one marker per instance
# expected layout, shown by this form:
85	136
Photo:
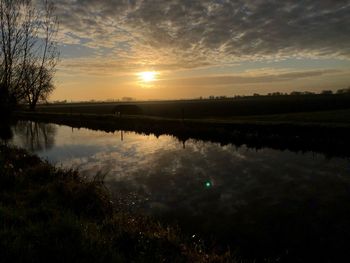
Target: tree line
292	93
28	51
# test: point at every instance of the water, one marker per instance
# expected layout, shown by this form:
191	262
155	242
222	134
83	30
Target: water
264	204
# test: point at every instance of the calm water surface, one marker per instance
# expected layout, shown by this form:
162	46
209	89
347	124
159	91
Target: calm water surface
264	203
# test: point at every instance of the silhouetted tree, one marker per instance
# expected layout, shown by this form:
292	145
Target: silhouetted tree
342	91
28	31
37	85
275	94
308	93
326	92
295	93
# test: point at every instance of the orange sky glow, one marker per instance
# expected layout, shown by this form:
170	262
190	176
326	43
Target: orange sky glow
180	49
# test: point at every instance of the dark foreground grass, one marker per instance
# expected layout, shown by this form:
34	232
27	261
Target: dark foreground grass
51	215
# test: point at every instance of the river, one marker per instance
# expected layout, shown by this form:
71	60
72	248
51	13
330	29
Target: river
262	203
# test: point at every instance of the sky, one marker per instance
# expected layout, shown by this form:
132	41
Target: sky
200	48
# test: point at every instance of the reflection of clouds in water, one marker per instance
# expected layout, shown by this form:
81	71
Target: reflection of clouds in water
69	155
163	169
238	193
264	196
93	151
177	177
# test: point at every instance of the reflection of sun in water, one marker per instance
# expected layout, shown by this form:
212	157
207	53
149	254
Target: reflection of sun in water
148	76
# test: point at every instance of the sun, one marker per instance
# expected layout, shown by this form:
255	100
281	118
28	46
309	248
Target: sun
148	76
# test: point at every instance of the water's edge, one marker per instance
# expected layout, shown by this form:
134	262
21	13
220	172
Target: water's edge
326	139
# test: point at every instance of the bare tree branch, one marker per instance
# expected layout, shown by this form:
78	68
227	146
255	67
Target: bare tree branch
28	50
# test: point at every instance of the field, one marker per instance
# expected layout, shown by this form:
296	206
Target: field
215	109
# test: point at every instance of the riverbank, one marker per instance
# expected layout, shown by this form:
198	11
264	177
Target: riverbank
303	134
52	215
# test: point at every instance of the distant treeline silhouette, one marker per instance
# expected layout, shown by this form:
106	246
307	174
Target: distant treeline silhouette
211	97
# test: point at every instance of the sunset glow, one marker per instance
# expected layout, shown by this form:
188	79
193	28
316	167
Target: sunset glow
148	76
220	48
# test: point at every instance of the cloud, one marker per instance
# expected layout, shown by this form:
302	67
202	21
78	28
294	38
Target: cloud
195	33
254	78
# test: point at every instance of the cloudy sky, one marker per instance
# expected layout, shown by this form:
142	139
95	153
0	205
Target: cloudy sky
200	47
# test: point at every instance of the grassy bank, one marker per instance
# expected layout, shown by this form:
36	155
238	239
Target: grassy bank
273	131
51	215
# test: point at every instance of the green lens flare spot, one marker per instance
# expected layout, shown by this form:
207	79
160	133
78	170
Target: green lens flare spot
208	184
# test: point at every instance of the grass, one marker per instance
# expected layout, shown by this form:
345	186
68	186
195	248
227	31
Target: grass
53	215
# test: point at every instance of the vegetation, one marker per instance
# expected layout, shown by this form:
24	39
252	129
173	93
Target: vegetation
51	215
220	108
28	51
